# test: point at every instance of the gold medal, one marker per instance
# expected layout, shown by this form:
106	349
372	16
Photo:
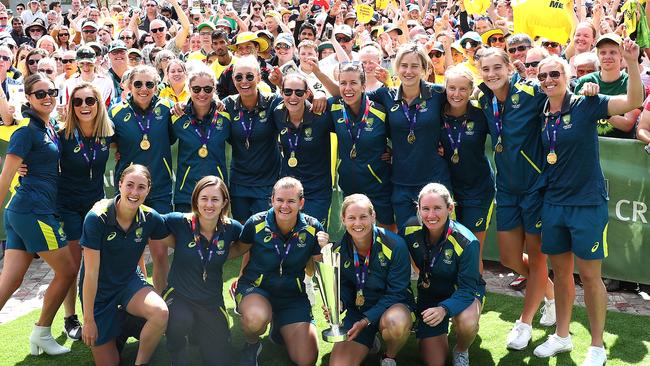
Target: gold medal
203	151
455	158
292	162
551	158
498	148
411	137
353	151
425	283
145	144
360	300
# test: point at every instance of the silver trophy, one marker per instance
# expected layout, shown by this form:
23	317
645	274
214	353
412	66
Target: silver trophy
328	274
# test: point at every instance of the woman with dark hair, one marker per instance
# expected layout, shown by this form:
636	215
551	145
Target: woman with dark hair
63	38
145	39
30	222
201	239
115	233
32	59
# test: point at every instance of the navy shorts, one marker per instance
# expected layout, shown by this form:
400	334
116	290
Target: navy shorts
161	205
72	221
33	233
523	210
474	216
426	301
246	201
183	207
367	335
318	209
286	310
578	229
110	309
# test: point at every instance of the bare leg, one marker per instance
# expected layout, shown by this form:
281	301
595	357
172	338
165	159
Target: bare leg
65	271
348	353
256	313
434	350
149	305
466	326
160	258
565	290
106	354
302	343
16	263
595	298
480	235
71	297
395	327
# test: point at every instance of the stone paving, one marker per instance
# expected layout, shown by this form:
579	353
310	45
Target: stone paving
30	294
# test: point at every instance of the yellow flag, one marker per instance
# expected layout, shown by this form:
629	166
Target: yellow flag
381	4
476	7
364	13
550	19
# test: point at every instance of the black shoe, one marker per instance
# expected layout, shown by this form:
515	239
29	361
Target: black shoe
72	328
249	354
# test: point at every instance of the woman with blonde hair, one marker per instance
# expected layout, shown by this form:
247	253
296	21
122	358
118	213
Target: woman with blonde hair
63	37
174	80
48	44
84	140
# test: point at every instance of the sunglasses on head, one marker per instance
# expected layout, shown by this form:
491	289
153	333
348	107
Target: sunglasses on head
288	91
249	76
156	30
343	39
149	84
5	58
46	71
41	94
151	5
550	44
496	39
208	89
531	64
552	74
32	62
78	102
520	48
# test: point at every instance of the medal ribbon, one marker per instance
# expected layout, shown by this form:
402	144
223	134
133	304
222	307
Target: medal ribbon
139	119
293	145
361	270
361	125
432	260
196	231
455	145
197	128
51	133
498	121
552	141
248	130
82	147
287	247
407	114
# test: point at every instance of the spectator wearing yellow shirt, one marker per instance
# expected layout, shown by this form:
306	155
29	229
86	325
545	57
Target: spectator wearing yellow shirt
205	30
220	44
175	89
471	42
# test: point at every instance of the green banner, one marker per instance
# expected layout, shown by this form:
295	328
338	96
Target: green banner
627	172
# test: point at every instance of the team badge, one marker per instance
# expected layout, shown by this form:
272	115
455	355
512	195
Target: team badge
382	259
157	111
219	123
448	254
138	235
515	99
302	237
308	132
220	245
470	126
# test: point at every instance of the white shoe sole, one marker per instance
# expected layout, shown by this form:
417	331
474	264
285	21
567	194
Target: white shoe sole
554	353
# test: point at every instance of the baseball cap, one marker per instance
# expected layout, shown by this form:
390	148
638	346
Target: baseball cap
344	30
86	54
116	46
609	37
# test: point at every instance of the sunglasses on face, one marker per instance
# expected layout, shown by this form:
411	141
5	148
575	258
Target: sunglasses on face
148	42
521	48
32	62
5	58
67	61
472	44
256	9
64	35
35	30
531	64
3	18
208	89
288	92
497	39
436	54
46	71
78	102
552	74
197	19
156	30
135	59
282	46
249	77
151	5
550	44
343	39
41	94
89	31
125	38
138	84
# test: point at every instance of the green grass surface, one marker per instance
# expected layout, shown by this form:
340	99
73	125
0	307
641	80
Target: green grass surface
627	339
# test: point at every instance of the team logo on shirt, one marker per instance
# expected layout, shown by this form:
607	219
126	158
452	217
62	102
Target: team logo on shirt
448	254
395	107
138	235
268	238
538	224
102	142
382	259
470	128
346	264
566	120
423	106
284	131
186	125
62	233
191	244
111	236
262	116
77	149
369	124
220	245
308	134
515	101
236	118
416	245
127	117
595	247
157	111
479	222
340	120
302	237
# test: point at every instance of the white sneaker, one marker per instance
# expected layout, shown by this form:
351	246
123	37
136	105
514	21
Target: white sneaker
519	336
553	345
548	313
596	356
388	362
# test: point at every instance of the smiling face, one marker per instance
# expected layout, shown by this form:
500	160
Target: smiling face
358	220
584	38
351	87
201	99
609	56
118	58
293	102
286	203
410	69
532	59
458	89
433	211
84	112
43	106
142	95
210	203
494	71
244	86
176	74
134	188
553	87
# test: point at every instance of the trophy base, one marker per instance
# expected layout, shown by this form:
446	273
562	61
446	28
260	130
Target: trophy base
335	335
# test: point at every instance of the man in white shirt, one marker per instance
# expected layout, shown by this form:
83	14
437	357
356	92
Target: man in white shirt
86	58
32	13
344	35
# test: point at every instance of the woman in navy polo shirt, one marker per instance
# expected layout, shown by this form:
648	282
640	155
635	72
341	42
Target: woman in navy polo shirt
575	201
115	233
29	218
85	142
202	240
